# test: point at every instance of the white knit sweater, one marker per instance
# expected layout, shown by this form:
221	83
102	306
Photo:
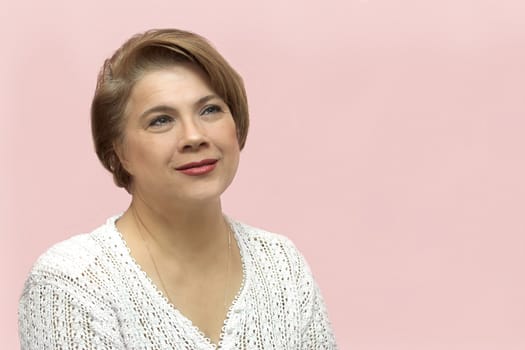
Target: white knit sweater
89	293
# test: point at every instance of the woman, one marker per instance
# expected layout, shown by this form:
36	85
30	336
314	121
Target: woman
169	119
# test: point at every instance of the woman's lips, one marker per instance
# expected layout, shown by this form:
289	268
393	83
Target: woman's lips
198	168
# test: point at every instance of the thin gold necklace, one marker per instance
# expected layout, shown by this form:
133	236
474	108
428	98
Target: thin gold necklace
138	220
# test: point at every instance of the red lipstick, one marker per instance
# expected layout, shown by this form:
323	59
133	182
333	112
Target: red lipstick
198	168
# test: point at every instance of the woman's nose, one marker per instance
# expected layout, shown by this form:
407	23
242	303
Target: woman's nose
192	136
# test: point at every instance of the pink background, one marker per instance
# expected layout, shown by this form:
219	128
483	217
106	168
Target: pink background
386	141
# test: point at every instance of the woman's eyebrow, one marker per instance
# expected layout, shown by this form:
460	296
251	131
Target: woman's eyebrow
157	109
168	109
207	98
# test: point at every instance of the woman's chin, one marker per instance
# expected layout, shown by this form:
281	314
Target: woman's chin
197	197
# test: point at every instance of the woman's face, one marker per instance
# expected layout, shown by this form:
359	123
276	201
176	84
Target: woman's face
180	140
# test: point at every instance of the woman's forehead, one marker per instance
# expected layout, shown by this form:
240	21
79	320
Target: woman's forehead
175	85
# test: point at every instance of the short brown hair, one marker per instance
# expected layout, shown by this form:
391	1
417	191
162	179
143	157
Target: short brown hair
143	52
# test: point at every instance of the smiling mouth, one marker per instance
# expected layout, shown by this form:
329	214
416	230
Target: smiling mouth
202	163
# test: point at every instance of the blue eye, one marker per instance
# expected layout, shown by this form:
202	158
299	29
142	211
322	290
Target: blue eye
211	109
160	121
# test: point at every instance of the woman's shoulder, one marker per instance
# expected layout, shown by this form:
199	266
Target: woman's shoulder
69	256
260	236
264	244
70	259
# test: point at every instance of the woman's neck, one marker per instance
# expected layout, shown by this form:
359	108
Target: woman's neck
185	231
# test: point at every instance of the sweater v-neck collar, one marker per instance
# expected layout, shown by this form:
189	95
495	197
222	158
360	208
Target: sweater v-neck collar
235	309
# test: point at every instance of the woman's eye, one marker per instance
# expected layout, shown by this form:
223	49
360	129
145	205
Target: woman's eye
160	121
211	109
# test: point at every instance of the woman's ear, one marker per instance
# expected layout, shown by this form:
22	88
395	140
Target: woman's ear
119	148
